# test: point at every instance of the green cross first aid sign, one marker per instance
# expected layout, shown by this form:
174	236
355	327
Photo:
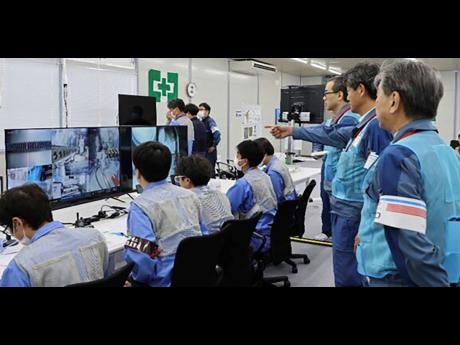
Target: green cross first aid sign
163	89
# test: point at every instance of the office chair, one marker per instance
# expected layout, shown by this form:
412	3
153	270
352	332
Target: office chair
226	171
299	226
235	257
116	279
196	261
280	249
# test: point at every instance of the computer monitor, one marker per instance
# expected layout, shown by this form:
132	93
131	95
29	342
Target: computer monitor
72	165
174	137
299	100
137	110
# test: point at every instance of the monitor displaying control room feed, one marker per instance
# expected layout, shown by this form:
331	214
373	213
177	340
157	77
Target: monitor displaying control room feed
72	165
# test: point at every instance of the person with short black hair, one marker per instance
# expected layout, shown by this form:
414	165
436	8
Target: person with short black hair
176	116
52	255
253	193
200	144
194	173
282	182
159	218
412	192
213	134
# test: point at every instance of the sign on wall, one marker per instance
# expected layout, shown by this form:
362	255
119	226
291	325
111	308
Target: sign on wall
251	121
164	89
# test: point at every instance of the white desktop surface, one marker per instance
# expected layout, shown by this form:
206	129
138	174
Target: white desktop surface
111	228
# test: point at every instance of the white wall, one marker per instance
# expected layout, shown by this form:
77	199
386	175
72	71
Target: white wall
311	80
445	119
224	91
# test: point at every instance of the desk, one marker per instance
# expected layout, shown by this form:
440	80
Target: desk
115	242
300	175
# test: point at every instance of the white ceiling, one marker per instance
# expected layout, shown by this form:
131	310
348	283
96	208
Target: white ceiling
288	65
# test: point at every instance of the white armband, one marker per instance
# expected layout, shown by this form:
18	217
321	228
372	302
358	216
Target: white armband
403	213
214	129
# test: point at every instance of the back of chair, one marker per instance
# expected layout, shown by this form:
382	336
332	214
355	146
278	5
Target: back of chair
226	171
116	279
196	261
235	257
281	230
299	227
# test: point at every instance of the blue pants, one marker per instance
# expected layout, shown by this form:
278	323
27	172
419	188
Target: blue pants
326	212
212	158
388	281
345	265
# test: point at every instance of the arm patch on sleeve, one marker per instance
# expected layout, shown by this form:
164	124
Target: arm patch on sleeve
402	213
143	245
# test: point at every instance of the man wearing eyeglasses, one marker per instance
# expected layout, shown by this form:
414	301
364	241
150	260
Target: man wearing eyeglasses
362	144
335	101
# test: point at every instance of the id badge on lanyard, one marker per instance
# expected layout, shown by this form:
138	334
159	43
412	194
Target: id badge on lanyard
371	159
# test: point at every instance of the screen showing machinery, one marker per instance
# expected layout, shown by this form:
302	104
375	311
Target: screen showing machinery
69	164
174	137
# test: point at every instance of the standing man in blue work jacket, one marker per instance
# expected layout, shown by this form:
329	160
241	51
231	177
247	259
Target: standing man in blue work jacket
361	145
176	117
412	190
336	102
213	134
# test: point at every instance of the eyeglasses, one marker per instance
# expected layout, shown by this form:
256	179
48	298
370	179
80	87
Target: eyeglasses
329	92
8	231
178	178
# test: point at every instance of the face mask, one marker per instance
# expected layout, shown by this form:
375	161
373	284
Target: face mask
200	115
25	241
237	166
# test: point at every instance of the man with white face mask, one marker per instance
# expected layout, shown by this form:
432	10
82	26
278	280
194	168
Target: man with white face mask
53	255
253	193
213	133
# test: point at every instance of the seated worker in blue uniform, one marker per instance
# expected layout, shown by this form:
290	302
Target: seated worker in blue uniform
52	254
194	173
278	172
253	193
412	190
159	218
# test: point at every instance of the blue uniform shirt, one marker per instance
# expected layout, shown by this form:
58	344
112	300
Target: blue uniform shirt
152	271
242	200
13	276
278	183
398	173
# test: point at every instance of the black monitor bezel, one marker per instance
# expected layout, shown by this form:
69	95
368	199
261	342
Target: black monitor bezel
59	204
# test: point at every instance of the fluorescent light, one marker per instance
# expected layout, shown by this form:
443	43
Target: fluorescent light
412	59
335	70
300	60
318	64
